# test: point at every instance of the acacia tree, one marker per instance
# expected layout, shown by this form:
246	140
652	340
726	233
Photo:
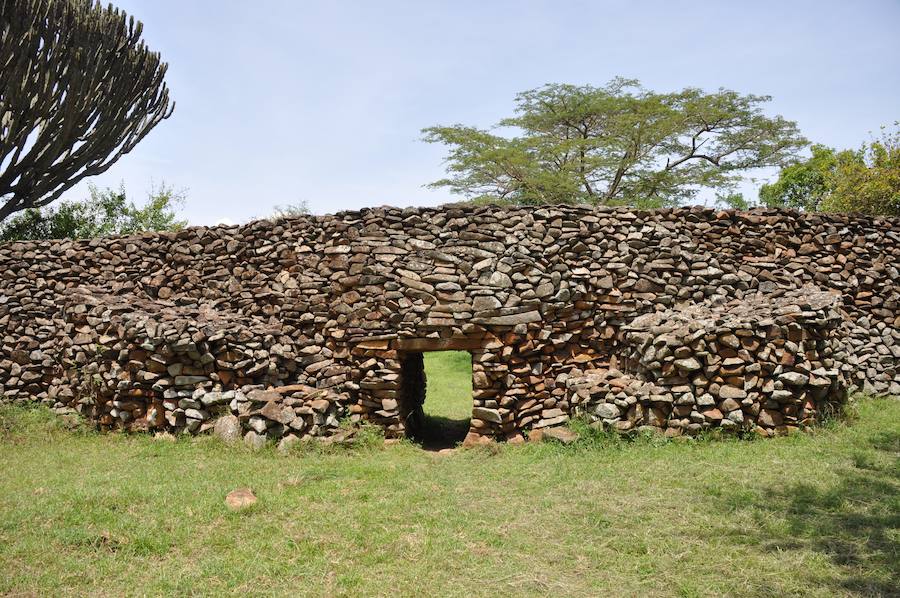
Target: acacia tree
616	144
78	89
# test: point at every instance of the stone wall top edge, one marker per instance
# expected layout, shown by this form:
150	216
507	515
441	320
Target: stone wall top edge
349	216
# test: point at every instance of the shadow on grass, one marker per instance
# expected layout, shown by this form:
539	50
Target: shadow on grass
854	521
434	433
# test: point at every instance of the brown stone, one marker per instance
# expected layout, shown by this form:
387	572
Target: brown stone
713	415
240	499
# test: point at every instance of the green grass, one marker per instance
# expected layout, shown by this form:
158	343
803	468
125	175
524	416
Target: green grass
812	514
449	384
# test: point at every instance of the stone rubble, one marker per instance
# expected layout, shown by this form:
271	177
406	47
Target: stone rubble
282	329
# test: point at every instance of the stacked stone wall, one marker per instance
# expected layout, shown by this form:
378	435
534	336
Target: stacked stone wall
768	363
329	314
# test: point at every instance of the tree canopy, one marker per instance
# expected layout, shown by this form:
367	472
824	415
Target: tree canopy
866	180
616	144
78	89
105	213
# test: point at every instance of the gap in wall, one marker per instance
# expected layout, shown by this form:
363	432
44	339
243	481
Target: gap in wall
448	398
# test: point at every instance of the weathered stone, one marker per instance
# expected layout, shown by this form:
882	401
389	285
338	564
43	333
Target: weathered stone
258	425
511	319
794	378
488	415
770	418
607	411
729	405
731	392
286	444
688	365
563	435
499	279
713	415
189	380
485	303
255	440
736	416
228	428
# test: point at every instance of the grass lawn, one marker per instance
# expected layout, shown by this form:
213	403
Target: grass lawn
449	384
813	514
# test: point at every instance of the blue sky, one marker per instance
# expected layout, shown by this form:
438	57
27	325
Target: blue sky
283	101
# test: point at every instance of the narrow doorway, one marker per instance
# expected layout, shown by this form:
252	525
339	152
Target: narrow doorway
445	392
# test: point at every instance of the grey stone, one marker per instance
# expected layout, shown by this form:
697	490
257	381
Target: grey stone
258	424
288	442
198	414
688	364
732	392
189	380
499	279
228	428
607	411
511	319
254	440
488	415
794	378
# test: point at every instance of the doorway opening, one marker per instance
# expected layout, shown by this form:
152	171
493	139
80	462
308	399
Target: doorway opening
439	383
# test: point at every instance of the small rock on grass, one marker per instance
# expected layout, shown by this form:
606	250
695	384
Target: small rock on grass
516	438
475	439
240	499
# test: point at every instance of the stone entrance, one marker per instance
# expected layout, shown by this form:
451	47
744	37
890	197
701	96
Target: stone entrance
435	411
412	388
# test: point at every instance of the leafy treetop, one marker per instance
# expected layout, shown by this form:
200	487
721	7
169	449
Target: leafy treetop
106	213
616	144
866	180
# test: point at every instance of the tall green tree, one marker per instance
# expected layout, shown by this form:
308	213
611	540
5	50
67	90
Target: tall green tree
78	89
105	213
866	180
616	144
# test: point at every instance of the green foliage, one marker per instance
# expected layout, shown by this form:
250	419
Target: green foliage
107	212
616	144
871	184
805	185
865	180
300	208
733	201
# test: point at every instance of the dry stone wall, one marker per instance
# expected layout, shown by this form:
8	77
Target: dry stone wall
284	328
767	362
